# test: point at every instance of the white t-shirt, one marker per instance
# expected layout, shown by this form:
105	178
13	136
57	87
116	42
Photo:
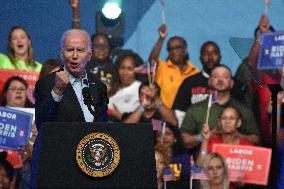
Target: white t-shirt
126	99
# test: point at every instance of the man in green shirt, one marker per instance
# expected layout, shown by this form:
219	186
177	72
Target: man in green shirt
220	80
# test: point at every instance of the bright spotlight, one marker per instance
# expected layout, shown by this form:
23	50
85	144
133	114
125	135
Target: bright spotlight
111	10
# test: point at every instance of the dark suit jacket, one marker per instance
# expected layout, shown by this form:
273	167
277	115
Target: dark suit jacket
68	109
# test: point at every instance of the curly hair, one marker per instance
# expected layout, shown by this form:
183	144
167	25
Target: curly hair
160	148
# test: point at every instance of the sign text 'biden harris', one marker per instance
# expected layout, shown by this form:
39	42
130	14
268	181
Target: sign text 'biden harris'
15	128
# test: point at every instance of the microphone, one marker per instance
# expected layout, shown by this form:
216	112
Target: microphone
99	107
88	101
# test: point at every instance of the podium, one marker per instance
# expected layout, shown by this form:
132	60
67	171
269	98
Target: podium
54	156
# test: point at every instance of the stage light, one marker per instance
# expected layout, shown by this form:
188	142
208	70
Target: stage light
110	20
111	10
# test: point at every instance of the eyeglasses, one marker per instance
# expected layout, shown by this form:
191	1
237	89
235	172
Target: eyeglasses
15	89
178	47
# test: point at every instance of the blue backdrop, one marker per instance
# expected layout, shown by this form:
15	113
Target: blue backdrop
195	20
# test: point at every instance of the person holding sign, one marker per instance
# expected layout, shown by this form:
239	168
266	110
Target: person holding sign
230	119
171	72
254	82
59	96
15	95
221	81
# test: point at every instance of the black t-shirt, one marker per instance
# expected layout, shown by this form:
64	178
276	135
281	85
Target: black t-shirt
194	89
103	71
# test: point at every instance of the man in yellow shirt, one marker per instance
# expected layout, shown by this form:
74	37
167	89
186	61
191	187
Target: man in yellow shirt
171	72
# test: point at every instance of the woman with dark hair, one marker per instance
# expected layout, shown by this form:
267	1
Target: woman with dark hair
162	163
20	51
230	119
179	156
14	93
124	91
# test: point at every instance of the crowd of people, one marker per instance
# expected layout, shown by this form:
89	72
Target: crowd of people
179	96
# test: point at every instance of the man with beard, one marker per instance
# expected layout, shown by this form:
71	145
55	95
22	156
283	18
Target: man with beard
195	88
221	81
171	72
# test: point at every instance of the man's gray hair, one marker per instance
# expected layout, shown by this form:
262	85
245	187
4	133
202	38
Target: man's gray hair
75	31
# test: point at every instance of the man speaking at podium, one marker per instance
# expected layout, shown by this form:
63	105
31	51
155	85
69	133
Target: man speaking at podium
69	94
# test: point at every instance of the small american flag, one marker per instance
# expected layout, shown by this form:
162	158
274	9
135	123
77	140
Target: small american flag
169	175
157	125
22	133
213	97
196	172
267	2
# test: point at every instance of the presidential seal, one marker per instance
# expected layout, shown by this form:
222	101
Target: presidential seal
97	154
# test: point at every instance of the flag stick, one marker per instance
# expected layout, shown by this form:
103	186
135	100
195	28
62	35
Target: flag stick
149	72
163	131
266	10
208	108
163	11
266	5
154	71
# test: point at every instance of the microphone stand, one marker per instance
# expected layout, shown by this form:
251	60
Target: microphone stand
274	89
98	108
88	101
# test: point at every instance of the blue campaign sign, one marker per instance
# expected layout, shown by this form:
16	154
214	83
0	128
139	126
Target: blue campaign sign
271	51
15	128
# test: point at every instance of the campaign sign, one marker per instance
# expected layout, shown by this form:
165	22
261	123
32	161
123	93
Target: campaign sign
29	76
249	163
271	51
15	128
